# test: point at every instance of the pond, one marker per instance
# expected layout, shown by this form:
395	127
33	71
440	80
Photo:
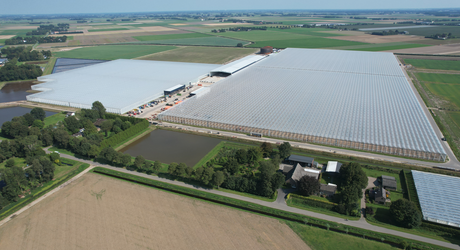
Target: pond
169	146
6	114
12	92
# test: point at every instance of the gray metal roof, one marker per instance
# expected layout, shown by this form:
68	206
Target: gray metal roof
239	64
120	85
299	158
347	96
439	197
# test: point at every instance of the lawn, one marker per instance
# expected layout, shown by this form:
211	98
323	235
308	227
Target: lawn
450	92
298	203
434	64
18	162
101	30
50	66
60	171
455	116
169	37
51	120
377	173
201	41
304	42
217	55
20	32
393	47
441	78
112	52
319	239
262	35
211	154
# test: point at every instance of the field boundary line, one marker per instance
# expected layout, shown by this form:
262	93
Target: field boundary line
9	218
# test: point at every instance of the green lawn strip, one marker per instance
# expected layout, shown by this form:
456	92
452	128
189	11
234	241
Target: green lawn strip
450	92
18	162
50	66
169	37
434	64
61	151
199	41
51	120
101	30
211	154
383	48
64	169
3	138
317	239
38	192
262	35
133	138
310	31
297	203
252	207
455	116
440	78
377	173
306	42
272	199
112	52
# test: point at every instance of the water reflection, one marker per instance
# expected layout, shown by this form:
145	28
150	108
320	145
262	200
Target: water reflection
15	91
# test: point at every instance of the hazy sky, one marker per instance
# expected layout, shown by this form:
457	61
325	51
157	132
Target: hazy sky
110	6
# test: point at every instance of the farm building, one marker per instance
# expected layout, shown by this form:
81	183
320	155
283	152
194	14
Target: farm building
388	182
120	85
298	172
302	160
333	167
328	189
439	197
350	99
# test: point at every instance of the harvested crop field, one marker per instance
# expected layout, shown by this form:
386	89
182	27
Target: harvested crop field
98	212
92	38
6	36
214	55
432	50
379	39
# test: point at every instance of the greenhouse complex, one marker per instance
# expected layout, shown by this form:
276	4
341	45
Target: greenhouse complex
438	196
121	85
350	99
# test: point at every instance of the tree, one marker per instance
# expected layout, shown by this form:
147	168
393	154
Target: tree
126	159
89	128
241	156
172	168
55	157
9	163
156	166
266	149
207	175
38	124
61	137
188	171
106	126
406	213
72	124
180	169
308	185
139	161
108	154
239	45
351	183
285	150
38	113
199	172
218	178
97	105
231	166
148	167
277	180
254	154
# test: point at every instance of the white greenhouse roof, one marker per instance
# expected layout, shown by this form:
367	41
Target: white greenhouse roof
439	197
120	85
239	64
332	166
325	96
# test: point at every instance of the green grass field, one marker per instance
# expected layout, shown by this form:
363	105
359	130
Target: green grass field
50	120
169	37
309	31
101	30
441	78
305	42
112	52
450	92
393	47
262	35
427	31
20	32
376	173
455	116
320	239
218	55
201	41
18	162
434	64
49	66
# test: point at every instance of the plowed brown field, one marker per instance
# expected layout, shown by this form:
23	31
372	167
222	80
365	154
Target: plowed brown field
98	212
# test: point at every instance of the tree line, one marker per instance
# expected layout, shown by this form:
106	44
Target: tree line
441	36
24	54
33	40
44	29
12	72
388	33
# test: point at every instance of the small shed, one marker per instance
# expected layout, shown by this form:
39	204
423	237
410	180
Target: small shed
333	167
389	182
266	50
328	189
3	61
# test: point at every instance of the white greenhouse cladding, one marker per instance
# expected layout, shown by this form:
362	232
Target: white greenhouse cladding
119	85
439	197
349	99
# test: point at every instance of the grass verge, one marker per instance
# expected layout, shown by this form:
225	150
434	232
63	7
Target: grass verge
50	66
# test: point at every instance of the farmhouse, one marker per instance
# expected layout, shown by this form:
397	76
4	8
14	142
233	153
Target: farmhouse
298	172
381	196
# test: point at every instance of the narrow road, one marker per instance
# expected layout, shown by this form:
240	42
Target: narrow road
33	203
278	204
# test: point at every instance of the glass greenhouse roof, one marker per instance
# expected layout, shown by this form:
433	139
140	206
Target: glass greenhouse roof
439	197
345	95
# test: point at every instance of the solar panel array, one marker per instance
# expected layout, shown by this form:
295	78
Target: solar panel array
439	197
344	98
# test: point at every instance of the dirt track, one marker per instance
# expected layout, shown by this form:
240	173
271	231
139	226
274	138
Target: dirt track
98	212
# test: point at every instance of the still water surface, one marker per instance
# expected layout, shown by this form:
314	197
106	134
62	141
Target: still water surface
6	114
169	146
12	92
